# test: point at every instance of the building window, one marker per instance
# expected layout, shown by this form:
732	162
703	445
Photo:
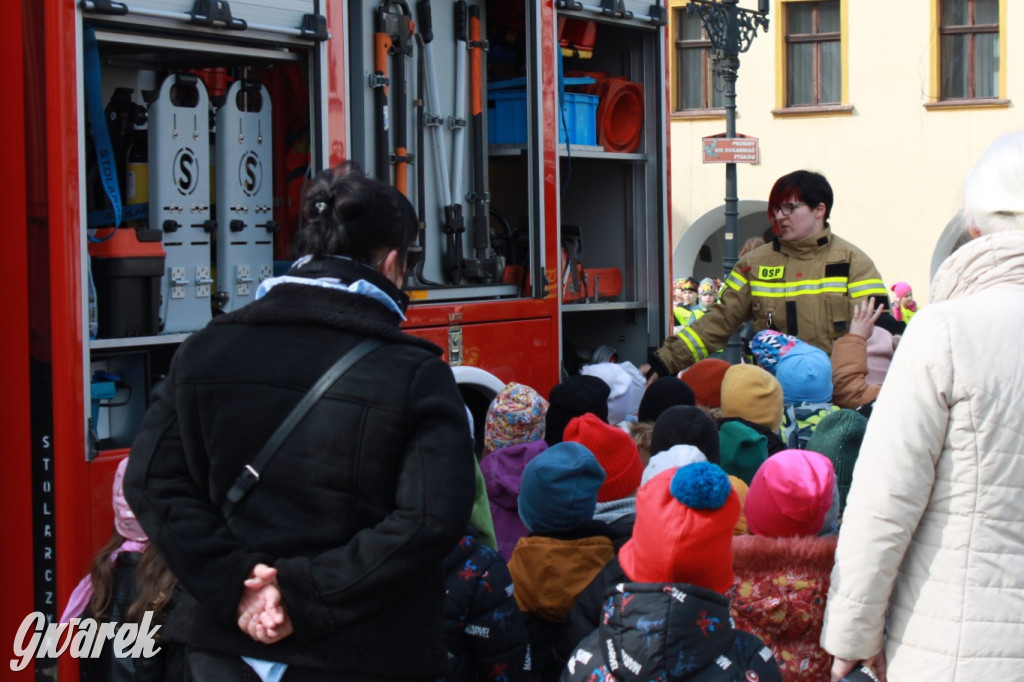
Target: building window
813	53
696	86
969	49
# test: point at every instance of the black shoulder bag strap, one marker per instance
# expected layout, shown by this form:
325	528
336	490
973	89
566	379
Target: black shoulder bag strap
250	475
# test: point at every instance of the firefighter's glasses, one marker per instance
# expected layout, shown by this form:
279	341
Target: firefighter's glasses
789	207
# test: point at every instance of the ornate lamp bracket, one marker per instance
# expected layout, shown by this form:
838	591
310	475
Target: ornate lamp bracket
715	16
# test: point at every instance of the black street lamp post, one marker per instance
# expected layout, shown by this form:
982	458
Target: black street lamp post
731	30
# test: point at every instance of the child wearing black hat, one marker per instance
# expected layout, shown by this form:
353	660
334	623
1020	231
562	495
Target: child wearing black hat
577	395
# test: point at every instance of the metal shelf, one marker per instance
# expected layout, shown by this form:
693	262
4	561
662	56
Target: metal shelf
574	151
603	305
136	341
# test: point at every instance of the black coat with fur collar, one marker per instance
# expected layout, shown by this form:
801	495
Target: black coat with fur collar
356	511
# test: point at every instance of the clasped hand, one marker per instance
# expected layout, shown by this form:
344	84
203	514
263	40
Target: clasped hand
261	611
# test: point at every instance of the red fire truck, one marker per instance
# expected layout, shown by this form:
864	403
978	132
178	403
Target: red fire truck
156	151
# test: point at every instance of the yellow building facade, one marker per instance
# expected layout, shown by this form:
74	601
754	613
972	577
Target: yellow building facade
892	100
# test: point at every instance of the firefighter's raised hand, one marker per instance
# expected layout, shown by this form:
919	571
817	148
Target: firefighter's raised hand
864	318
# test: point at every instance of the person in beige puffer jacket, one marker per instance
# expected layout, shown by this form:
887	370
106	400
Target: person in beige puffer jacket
929	576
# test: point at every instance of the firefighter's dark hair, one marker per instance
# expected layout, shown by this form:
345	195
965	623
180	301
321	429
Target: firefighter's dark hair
802	185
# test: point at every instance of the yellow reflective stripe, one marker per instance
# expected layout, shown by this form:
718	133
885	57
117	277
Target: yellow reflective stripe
800	283
829	285
694	343
868	287
735	281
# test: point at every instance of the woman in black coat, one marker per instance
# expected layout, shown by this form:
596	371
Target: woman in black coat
332	563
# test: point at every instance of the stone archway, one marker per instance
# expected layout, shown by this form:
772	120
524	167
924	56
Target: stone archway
709	231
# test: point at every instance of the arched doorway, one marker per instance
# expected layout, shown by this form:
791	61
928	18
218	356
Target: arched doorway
701	249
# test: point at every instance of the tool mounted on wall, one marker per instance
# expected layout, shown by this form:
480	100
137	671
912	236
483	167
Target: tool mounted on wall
393	38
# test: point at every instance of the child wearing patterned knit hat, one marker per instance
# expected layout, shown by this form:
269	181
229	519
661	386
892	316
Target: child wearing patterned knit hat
566	547
669	620
707	293
783	568
515	415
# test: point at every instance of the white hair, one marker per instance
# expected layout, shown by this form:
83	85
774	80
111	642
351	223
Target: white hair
994	189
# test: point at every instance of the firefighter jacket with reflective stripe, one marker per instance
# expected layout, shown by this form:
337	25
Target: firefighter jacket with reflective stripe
806	288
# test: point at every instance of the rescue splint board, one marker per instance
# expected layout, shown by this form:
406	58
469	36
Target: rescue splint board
245	224
179	199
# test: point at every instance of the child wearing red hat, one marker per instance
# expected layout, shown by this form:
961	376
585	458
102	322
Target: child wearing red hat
670	619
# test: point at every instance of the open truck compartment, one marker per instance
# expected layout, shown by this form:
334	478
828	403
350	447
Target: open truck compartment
537	166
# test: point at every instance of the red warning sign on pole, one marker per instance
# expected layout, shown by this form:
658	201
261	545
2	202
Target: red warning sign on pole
739	149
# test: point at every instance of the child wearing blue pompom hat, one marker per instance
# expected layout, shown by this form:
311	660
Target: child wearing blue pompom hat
669	618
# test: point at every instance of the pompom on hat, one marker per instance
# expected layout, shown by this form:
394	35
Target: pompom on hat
791	495
559	488
838	436
579	394
705	378
805	374
683	530
615	452
752	393
515	415
663	393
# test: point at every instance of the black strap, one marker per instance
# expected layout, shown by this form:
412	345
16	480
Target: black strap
250	475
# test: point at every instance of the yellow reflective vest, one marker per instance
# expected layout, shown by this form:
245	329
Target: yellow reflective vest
806	288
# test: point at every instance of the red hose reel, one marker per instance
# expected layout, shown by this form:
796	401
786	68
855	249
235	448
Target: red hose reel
620	110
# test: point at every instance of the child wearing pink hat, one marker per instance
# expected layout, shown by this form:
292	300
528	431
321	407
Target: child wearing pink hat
782	570
127	581
905	305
